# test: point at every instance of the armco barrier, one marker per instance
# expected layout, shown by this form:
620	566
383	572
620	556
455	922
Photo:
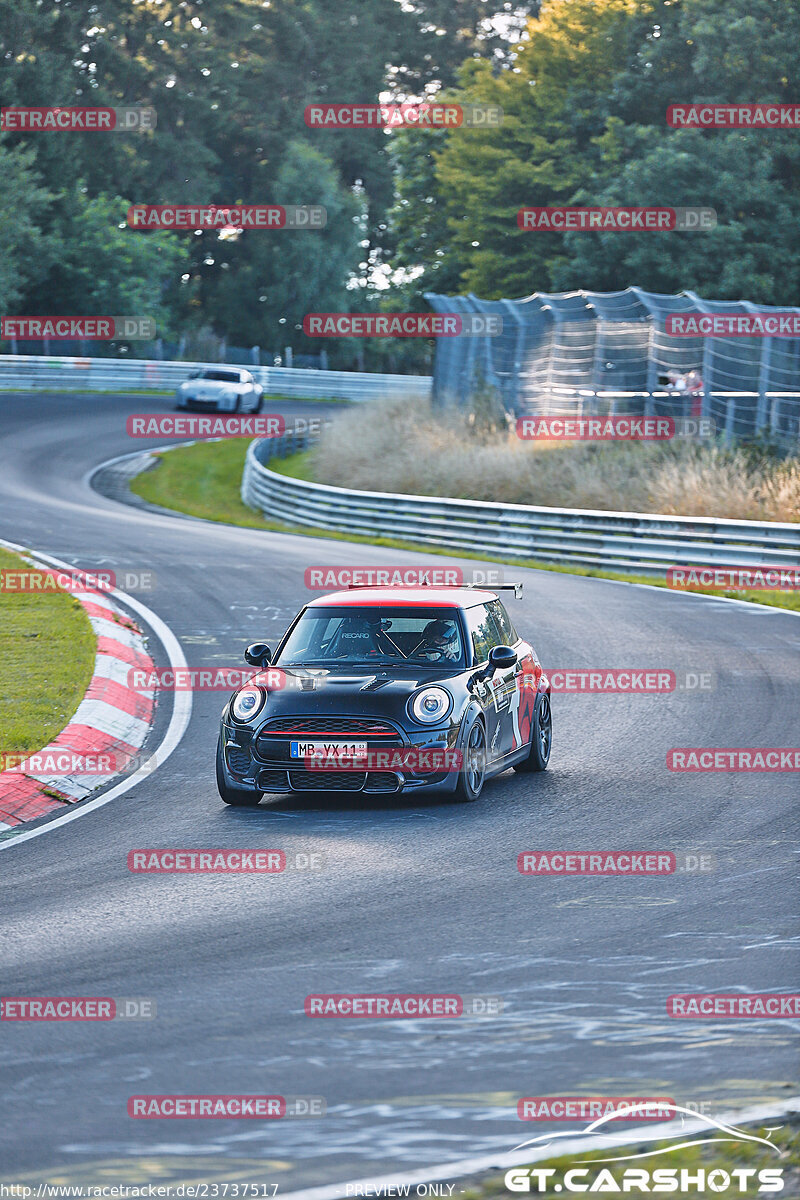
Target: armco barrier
629	542
20	372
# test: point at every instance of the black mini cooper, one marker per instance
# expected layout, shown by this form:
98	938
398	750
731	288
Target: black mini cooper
392	689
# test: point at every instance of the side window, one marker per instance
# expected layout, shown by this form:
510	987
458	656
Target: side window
507	630
483	630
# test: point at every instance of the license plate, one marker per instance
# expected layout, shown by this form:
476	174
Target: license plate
327	749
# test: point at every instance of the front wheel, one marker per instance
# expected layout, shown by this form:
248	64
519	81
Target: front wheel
473	769
541	738
239	797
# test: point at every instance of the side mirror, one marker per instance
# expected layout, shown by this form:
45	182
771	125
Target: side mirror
258	654
501	658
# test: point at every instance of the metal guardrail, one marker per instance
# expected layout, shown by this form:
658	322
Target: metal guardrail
19	372
627	542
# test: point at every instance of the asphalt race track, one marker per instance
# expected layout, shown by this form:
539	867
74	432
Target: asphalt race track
423	898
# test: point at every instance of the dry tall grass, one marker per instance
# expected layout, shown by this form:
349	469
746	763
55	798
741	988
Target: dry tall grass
406	446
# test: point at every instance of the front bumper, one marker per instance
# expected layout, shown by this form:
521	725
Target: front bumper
252	759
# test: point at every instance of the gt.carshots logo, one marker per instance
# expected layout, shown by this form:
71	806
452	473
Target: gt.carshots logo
92	329
209	1108
72	119
566	219
370	325
762	579
670	1137
227	216
262	425
596	429
733	758
399	1005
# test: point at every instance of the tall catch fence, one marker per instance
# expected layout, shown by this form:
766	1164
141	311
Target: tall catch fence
599	352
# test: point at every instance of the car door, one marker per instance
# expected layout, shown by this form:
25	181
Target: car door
496	694
527	674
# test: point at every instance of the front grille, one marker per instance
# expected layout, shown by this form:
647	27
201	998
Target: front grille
382	781
303	726
238	759
273	781
327	781
203	405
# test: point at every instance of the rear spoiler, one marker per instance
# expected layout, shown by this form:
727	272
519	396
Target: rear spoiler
516	588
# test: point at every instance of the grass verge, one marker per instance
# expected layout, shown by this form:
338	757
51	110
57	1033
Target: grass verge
47	654
204	480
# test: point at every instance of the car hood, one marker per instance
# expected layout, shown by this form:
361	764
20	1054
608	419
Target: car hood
211	385
360	692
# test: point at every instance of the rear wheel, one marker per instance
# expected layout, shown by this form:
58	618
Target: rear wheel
239	797
541	738
473	769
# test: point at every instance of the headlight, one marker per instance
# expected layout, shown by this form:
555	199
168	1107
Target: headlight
430	705
247	703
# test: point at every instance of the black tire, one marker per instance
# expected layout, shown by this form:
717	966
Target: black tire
472	775
541	738
260	404
239	797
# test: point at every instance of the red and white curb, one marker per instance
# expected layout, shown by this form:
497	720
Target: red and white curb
112	719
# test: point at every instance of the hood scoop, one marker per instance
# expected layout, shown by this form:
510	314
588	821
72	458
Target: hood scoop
378	682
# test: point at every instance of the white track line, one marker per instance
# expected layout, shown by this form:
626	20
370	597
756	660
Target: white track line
179	720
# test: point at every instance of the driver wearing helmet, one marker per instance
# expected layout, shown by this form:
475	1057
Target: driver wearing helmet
440	641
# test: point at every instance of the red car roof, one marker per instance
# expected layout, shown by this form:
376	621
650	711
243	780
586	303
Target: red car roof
412	597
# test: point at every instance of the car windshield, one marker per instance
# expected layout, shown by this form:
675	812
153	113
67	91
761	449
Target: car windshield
221	376
376	637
